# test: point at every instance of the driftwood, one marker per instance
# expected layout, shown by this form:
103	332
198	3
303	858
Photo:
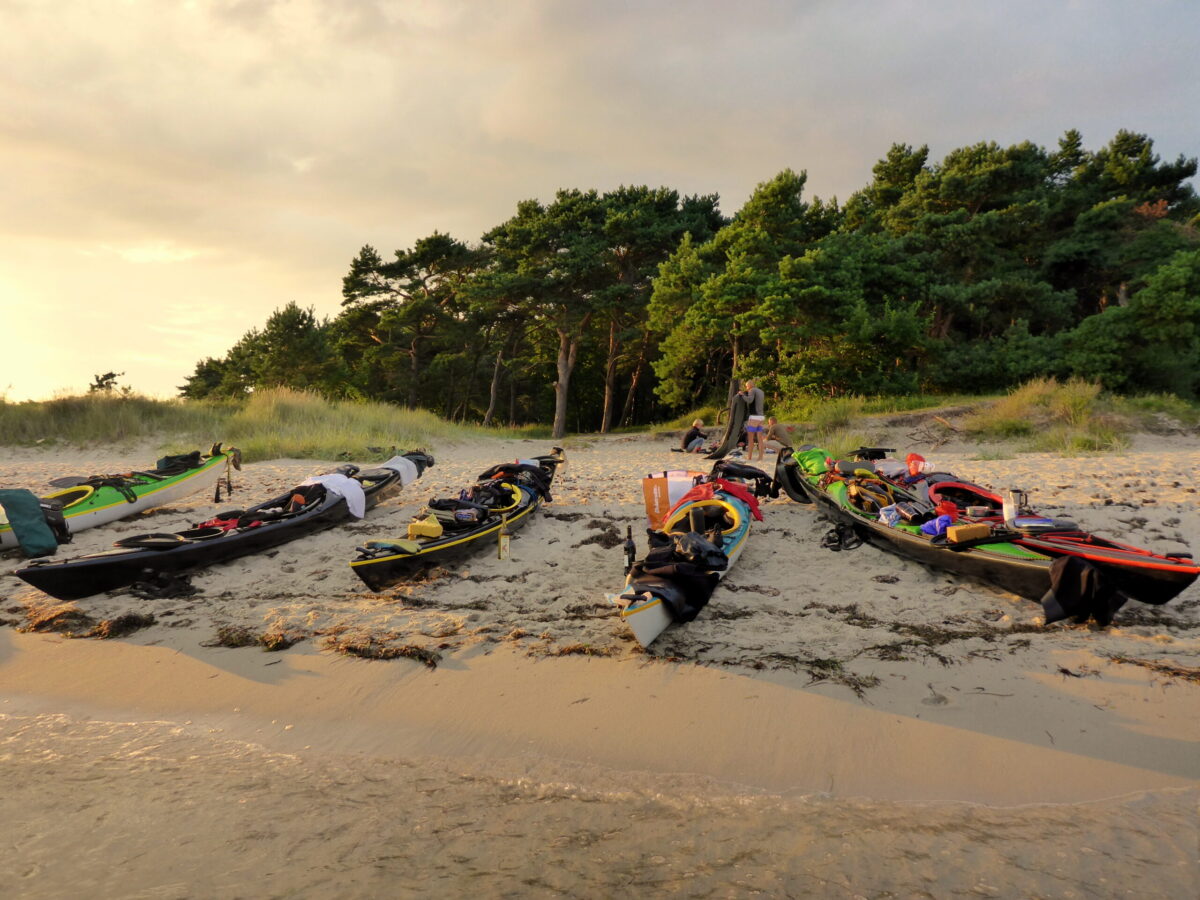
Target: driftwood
934	433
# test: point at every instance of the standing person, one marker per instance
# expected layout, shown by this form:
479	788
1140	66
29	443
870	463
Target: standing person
755	428
693	441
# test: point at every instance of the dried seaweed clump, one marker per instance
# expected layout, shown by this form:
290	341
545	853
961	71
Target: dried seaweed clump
241	636
278	640
61	618
122	625
372	648
582	650
233	636
1159	667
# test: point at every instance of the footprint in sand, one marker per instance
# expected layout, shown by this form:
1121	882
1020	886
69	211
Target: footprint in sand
934	698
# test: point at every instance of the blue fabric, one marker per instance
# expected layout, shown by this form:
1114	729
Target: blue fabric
937	526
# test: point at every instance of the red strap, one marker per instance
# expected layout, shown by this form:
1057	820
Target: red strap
226	524
699	492
705	492
740	491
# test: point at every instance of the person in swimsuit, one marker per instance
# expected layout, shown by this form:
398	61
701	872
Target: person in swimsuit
755	421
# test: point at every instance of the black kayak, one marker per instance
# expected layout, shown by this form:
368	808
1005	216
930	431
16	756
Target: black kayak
739	409
501	500
1011	556
305	509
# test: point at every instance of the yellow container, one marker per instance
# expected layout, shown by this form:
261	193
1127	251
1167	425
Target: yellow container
425	528
956	533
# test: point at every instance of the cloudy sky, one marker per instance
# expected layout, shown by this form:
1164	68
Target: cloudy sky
171	172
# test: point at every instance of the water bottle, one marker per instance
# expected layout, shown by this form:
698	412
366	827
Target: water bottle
1012	507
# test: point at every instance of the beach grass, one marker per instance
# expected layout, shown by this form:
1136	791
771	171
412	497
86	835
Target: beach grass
840	411
268	424
1160	412
1063	417
1043	415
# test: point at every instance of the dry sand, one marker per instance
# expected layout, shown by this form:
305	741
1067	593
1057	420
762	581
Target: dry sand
833	724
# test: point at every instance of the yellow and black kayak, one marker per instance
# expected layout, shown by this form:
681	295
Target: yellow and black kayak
502	499
86	502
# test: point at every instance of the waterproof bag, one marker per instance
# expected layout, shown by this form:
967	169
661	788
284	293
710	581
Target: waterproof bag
662	490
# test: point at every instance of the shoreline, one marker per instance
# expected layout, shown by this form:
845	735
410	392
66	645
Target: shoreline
657	719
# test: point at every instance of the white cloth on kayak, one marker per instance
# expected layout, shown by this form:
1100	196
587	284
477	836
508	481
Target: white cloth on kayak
356	497
406	467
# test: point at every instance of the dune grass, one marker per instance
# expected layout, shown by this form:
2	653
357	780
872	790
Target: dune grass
1065	417
269	424
1045	415
1068	418
1159	412
1076	416
841	411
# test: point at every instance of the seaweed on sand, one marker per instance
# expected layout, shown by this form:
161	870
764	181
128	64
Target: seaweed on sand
579	649
233	636
370	647
122	625
1159	667
61	618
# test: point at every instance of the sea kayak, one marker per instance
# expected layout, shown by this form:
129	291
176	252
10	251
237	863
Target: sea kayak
500	501
702	537
86	502
1015	552
314	505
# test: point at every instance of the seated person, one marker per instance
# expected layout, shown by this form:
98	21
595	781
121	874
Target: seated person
693	441
778	436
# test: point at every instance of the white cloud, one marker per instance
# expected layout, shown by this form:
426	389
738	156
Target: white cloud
160	251
260	143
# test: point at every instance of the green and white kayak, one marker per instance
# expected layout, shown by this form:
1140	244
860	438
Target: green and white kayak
100	499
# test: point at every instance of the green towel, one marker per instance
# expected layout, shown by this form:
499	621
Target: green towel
24	511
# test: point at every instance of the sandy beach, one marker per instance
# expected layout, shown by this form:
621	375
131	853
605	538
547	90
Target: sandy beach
833	724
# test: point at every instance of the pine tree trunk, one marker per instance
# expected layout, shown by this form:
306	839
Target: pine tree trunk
471	375
627	410
733	385
491	410
413	370
568	346
610	378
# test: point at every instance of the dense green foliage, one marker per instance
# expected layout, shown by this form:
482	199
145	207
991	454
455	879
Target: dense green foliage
973	274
